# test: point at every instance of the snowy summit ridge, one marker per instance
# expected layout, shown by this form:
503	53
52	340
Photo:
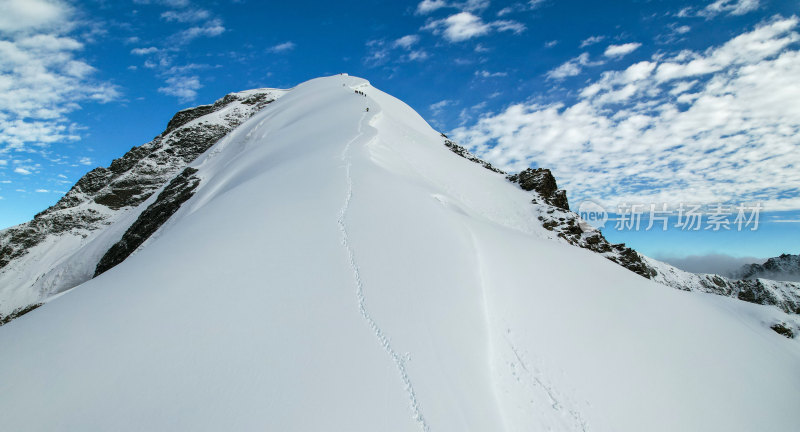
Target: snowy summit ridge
329	264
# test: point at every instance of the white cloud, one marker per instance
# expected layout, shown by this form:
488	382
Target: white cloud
572	67
189	15
42	76
765	41
506	10
378	53
165	58
85	161
592	40
438	107
721	125
170	3
508	25
406	42
487	74
399	50
282	47
3	162
621	50
428	6
465	25
682	29
521	7
208	29
22	171
144	51
732	7
32	15
417	55
459	27
42	191
184	88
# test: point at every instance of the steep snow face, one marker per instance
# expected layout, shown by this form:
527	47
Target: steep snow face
339	269
60	248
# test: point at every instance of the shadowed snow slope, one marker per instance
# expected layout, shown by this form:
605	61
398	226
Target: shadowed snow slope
339	269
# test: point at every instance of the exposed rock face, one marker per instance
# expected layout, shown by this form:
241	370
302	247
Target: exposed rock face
784	295
131	179
542	181
104	195
461	151
16	241
180	189
558	218
783	268
569	227
783	329
16	313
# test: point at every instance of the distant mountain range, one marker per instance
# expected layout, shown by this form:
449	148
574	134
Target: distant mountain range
782	268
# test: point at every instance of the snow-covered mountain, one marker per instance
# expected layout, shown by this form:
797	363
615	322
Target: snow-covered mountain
781	268
328	267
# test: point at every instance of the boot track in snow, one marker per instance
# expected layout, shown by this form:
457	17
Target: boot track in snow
400	361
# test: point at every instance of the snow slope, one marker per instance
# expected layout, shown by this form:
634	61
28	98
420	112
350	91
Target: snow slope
339	269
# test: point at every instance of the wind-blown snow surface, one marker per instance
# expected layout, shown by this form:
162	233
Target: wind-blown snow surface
339	269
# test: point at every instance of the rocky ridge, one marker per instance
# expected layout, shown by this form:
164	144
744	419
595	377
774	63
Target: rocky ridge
104	196
783	294
569	227
555	215
782	268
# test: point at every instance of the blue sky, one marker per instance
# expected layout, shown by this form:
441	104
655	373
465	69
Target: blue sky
626	101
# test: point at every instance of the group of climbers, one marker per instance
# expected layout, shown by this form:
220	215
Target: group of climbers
359	92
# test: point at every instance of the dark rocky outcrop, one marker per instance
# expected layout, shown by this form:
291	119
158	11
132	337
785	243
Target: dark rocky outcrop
542	181
754	291
180	189
16	313
783	330
464	153
558	218
783	268
16	241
